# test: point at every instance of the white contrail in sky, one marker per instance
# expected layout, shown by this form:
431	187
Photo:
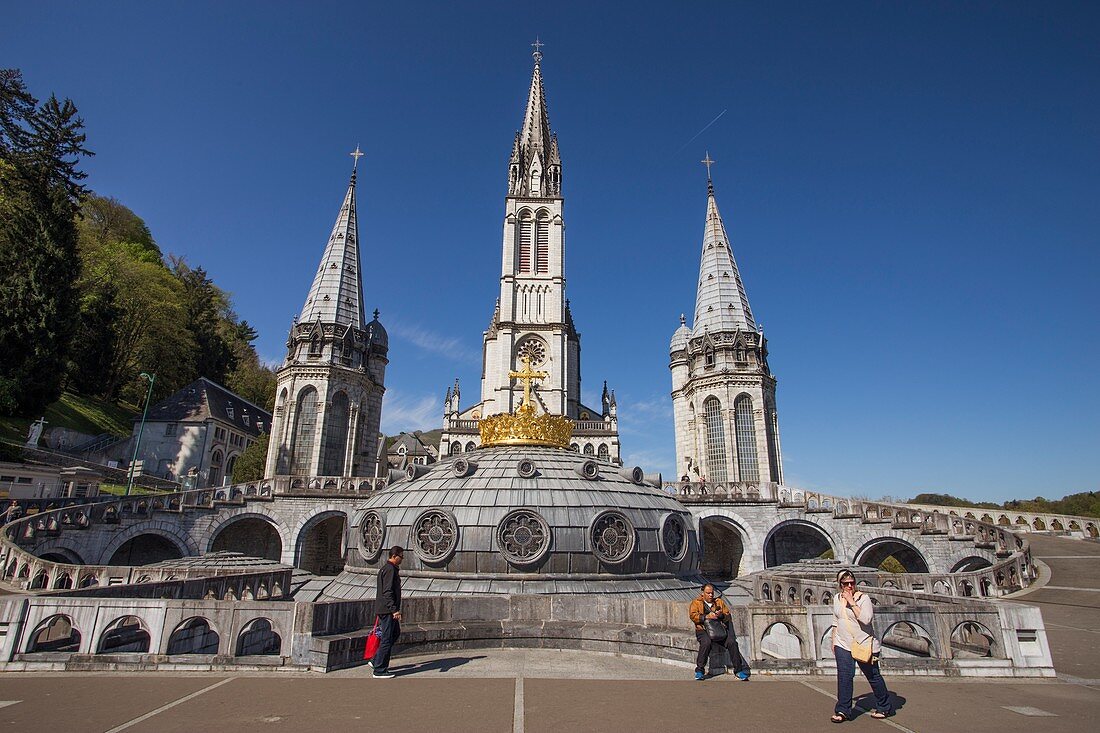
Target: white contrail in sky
702	131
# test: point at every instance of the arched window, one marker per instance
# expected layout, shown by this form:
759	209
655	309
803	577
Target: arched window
574	447
336	436
215	472
470	446
542	243
708	358
456	448
588	450
229	466
305	432
746	439
523	235
603	452
716	440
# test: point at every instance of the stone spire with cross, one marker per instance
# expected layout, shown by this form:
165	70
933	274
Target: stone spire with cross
721	303
535	165
337	292
723	391
330	386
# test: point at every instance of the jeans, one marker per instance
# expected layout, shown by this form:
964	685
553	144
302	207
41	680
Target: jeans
730	643
846	671
389	629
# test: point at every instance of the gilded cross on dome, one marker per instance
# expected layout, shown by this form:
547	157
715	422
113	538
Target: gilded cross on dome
527	376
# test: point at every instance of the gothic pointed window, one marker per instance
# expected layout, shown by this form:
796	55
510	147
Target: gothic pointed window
603	452
716	440
746	439
305	431
542	243
336	436
524	234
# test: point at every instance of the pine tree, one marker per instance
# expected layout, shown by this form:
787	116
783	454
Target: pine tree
40	190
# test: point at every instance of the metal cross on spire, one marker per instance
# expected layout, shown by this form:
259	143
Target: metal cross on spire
708	163
357	154
537	45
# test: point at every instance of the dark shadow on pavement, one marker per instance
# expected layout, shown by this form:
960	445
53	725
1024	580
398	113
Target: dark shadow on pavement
866	703
442	665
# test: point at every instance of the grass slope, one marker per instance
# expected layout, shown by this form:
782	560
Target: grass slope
76	412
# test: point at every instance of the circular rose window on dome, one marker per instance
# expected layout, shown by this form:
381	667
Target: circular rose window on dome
523	537
674	537
372	532
434	535
612	537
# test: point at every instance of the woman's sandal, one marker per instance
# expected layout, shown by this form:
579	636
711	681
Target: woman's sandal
877	714
838	718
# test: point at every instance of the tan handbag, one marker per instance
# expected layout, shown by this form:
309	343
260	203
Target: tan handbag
861	651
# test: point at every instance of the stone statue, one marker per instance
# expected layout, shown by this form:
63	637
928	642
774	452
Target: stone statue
35	432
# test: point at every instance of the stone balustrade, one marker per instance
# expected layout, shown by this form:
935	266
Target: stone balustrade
958	637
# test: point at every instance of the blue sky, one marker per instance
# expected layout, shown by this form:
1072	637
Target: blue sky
910	188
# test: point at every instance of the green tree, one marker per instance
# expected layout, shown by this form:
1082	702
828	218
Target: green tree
40	189
250	464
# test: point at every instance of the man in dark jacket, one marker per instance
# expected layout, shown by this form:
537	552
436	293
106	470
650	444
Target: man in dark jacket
709	612
387	605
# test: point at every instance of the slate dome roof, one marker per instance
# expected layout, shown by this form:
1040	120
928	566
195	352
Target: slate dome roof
523	519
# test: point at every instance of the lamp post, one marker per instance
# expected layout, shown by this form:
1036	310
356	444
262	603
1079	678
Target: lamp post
141	428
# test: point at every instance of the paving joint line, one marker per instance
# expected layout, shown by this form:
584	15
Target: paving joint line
830	695
517	708
168	706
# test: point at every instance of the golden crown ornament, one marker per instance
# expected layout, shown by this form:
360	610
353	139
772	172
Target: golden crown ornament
526	426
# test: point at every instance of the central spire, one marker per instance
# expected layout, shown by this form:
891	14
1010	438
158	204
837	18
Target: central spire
534	169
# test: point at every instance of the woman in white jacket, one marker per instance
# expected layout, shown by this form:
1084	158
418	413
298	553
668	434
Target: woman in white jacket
854	643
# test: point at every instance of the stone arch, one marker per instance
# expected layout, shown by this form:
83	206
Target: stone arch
797	539
250	533
195	635
258	637
181	545
825	647
1091	531
907	639
780	640
1039	524
124	635
722	548
750	538
875	552
321	545
55	634
970	563
971	639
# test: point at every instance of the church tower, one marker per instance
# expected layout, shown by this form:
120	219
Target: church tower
532	316
723	392
329	389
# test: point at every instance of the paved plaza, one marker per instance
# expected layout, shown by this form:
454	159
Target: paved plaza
545	690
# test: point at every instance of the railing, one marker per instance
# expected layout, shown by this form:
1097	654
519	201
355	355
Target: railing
595	426
22	568
698	492
316	485
455	425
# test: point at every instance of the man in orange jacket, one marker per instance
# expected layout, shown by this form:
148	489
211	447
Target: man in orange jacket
711	616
